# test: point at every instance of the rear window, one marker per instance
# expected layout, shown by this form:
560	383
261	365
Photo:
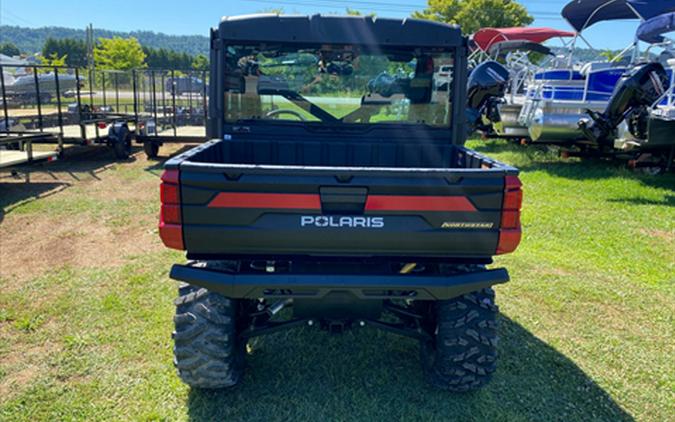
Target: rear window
337	85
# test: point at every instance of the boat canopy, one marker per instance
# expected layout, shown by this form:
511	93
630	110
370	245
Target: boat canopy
652	30
651	8
486	37
581	14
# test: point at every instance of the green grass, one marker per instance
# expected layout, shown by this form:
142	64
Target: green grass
586	330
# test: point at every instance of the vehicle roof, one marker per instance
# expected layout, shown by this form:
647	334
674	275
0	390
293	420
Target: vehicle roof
356	30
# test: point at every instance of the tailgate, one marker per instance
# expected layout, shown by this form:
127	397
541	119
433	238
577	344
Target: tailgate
270	211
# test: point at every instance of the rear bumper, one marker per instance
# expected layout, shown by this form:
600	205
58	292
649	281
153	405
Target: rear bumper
316	286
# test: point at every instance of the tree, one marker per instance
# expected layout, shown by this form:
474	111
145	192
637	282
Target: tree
274	10
52	60
472	15
9	49
156	58
119	53
353	12
167	59
74	50
609	55
200	62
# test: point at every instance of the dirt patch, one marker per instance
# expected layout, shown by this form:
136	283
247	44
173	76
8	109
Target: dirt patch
45	243
668	236
22	366
32	243
15	381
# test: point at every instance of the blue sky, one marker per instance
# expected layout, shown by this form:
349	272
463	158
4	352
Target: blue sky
196	16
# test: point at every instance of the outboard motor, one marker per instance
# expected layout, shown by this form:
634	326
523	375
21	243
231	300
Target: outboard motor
485	91
636	91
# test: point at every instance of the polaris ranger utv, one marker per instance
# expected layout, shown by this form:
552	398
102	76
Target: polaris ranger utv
336	194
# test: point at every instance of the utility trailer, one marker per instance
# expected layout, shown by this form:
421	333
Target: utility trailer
59	105
17	149
336	193
70	106
171	106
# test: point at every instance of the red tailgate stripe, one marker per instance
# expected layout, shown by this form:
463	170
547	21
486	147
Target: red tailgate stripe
266	200
418	203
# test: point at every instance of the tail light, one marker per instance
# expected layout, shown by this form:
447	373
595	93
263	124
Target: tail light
170	228
510	230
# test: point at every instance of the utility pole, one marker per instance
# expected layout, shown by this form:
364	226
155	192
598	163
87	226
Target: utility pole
90	62
90	47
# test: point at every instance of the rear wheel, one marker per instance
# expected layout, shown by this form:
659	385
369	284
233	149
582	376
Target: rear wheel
207	351
120	141
122	150
151	149
461	354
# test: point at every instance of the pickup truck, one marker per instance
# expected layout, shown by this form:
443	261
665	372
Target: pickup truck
325	201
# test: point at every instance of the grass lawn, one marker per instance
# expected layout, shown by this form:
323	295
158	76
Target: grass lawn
587	327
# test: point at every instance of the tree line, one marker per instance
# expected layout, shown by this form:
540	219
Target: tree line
119	53
31	40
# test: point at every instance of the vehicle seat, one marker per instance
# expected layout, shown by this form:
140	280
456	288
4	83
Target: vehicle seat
666	58
558	75
594	66
601	83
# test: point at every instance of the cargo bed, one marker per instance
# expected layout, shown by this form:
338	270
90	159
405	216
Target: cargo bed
272	198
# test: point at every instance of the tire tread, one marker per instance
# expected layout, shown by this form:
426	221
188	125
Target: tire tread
465	352
207	353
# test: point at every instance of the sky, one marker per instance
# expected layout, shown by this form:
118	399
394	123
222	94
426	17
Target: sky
195	17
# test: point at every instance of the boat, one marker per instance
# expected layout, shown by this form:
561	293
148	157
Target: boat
514	46
22	89
644	103
557	98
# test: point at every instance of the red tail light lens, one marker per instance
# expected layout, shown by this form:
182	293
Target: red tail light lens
171	214
170	228
510	231
171	176
172	235
508	241
510	220
513	199
169	193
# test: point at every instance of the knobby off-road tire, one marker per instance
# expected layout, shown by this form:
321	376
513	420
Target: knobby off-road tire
207	351
462	355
